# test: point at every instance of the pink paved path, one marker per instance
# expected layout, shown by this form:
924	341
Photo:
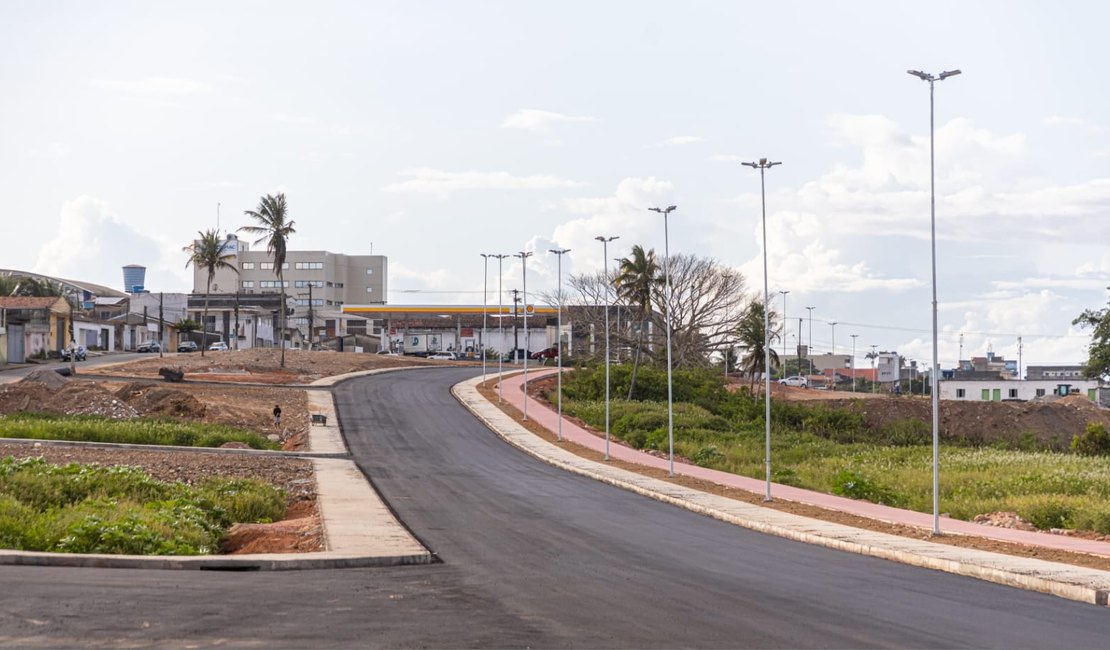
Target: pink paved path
548	418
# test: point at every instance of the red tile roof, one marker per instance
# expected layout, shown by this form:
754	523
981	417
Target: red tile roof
28	302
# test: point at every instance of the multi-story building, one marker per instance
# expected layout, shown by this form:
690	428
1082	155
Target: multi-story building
333	279
1054	372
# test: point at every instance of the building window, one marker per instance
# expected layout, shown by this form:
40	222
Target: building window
329	303
1040	392
1013	393
301	284
329	284
266	266
248	284
960	393
309	266
369	271
273	284
369	289
248	266
338	285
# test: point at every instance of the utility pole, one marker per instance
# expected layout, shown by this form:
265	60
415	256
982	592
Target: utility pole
810	351
236	319
516	310
874	377
161	326
310	315
854	337
959	362
1020	376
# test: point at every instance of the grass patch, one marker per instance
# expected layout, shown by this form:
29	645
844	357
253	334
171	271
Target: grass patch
832	450
92	509
141	431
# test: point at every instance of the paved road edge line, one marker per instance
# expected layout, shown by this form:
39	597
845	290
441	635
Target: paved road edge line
940	557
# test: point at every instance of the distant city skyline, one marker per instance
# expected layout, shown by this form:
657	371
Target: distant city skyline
432	132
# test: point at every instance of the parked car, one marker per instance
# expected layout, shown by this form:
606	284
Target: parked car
149	346
796	381
187	346
549	353
444	356
218	346
517	354
81	353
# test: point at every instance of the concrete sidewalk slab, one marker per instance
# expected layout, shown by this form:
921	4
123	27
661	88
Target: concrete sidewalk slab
1067	581
324	438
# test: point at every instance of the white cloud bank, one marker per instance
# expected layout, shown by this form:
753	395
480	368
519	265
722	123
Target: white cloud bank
427	180
529	119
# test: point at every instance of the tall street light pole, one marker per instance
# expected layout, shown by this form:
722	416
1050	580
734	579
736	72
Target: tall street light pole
500	321
832	324
524	255
809	352
854	337
608	286
934	375
763	165
617	304
667	317
784	292
485	302
559	339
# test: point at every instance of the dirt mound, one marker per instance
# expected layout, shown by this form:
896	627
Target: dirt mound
1004	520
158	401
47	377
72	398
299	532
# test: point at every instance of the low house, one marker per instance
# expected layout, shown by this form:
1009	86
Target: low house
997	390
34	326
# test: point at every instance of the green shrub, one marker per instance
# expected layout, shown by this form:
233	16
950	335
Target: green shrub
854	485
92	509
142	431
707	456
1048	513
1094	441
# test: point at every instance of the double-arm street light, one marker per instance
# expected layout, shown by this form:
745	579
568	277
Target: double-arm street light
608	286
559	340
809	350
934	374
524	255
500	320
854	337
667	317
763	165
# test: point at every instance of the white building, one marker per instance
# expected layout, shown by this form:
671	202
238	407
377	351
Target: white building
997	390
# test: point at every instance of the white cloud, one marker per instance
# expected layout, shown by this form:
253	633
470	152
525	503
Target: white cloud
725	158
529	119
427	180
92	242
154	86
1079	122
677	141
286	118
52	151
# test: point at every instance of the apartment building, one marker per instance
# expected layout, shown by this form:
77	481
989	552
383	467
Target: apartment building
332	279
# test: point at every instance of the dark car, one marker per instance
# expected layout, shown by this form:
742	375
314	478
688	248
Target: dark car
81	353
517	355
549	353
187	346
149	346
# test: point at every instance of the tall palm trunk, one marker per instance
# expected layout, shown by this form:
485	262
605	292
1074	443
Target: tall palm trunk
281	283
204	323
636	361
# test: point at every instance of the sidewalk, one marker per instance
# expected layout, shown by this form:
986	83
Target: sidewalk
1077	583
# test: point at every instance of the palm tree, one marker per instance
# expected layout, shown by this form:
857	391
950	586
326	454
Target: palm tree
209	255
872	355
638	278
274	227
749	334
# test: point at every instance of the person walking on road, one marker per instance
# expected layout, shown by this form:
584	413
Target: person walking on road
277	415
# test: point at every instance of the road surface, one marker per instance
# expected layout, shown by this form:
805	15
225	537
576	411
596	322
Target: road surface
533	556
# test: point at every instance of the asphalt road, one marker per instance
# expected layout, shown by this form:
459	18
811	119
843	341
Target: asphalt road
534	557
19	372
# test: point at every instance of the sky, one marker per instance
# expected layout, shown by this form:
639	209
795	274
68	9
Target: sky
432	132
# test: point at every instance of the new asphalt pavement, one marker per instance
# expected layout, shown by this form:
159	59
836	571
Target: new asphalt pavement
533	556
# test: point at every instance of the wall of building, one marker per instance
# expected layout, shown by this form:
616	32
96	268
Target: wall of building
1001	389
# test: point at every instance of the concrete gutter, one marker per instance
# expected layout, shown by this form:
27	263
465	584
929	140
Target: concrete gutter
1064	580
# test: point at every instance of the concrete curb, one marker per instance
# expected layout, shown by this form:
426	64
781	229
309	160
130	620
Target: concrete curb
1063	580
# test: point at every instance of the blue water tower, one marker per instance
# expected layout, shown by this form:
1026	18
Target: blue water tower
134	278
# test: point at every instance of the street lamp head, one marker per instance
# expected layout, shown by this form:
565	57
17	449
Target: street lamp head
949	73
752	165
558	251
924	76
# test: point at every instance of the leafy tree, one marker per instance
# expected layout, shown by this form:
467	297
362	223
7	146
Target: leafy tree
15	285
209	255
638	280
1098	352
274	227
750	336
186	325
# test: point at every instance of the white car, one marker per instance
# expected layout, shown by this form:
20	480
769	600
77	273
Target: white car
218	346
796	381
444	356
